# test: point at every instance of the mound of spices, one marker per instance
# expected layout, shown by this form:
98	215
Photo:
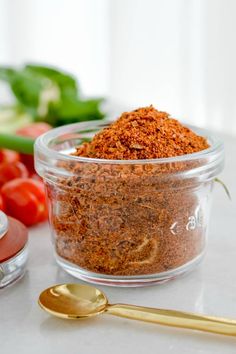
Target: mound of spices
143	134
131	218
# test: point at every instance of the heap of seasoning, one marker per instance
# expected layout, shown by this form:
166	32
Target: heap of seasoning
130	218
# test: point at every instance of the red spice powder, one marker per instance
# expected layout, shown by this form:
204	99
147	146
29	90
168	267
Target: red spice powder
144	133
131	219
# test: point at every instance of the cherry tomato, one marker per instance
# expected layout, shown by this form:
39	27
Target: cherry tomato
25	200
10	171
2	204
36	177
32	131
28	161
9	156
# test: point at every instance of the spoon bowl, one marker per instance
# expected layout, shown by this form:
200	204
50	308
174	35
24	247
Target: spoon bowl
73	301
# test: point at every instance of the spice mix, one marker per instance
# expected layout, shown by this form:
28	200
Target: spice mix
125	217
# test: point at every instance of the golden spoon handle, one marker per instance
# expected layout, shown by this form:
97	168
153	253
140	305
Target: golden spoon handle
175	318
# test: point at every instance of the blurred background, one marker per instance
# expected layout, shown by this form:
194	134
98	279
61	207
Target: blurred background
179	55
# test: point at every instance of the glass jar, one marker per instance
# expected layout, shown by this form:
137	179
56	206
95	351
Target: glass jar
13	250
126	222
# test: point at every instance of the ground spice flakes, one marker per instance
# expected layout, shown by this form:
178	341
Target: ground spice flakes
143	134
131	219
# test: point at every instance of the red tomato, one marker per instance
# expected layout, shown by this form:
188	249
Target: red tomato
32	131
9	156
2	204
28	161
11	171
25	200
36	177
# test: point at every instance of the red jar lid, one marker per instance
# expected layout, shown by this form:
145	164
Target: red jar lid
13	237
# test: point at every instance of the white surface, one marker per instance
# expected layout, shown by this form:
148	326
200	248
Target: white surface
211	289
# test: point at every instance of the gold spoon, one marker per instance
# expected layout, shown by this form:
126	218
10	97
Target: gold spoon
73	301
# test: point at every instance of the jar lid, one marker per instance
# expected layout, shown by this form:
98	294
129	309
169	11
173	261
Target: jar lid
13	237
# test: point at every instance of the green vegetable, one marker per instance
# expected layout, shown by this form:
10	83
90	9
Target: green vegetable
47	94
17	143
13	118
66	83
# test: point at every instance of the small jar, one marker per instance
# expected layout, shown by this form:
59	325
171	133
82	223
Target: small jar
126	222
13	249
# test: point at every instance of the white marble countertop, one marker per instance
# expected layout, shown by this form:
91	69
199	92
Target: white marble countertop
211	289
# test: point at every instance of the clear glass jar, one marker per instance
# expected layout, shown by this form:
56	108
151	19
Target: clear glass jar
126	222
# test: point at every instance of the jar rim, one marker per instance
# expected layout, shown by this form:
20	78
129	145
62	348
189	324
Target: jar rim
43	141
